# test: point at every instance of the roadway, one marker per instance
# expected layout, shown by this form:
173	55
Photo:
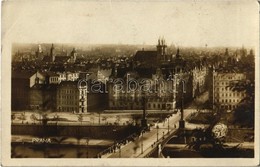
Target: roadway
149	138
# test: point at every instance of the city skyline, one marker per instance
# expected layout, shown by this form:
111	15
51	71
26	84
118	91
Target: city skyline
165	80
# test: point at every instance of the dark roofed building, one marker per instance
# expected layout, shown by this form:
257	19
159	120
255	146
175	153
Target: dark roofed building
47	59
151	58
62	59
21	82
145	59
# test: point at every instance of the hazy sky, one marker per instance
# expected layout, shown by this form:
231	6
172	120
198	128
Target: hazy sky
186	23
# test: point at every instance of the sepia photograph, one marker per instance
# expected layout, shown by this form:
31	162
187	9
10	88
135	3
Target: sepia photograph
116	82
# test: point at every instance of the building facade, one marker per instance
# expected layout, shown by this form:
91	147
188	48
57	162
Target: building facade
223	95
71	97
128	93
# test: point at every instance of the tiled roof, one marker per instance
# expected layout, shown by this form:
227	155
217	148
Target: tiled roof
61	59
47	59
145	56
49	73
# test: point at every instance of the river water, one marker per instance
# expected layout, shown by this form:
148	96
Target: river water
29	150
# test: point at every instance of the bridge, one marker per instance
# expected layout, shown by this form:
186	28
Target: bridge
149	143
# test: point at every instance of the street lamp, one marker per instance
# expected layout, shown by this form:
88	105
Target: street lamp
157	127
114	148
142	143
119	150
182	122
168	124
87	141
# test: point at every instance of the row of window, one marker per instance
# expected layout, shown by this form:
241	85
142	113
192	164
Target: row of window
69	91
156	99
222	89
69	75
139	104
234	94
66	102
70	97
228	100
222	83
52	79
229	107
67	109
237	77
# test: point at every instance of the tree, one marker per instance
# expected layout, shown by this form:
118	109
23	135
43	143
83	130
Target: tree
44	119
92	119
80	118
244	113
23	117
33	118
118	119
104	118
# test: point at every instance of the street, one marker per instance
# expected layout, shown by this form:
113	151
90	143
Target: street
133	149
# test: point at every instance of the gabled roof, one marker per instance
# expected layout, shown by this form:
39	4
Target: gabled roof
49	73
61	59
145	55
47	59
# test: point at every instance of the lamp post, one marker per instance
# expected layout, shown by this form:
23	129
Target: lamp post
163	134
157	127
87	141
119	150
144	121
114	130
168	124
182	122
142	143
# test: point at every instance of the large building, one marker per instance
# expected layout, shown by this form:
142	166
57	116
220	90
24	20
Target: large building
60	58
43	97
152	58
21	83
199	74
72	97
128	92
164	72
223	95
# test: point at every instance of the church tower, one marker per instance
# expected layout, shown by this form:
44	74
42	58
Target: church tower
73	56
52	53
39	53
161	49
